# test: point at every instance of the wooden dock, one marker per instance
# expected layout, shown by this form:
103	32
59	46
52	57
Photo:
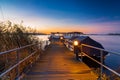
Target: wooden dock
58	63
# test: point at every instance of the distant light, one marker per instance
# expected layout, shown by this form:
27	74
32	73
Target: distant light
61	37
75	43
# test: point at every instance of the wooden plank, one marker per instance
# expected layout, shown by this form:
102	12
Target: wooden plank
58	63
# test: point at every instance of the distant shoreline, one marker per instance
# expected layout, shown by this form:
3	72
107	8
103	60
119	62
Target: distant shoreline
104	34
109	34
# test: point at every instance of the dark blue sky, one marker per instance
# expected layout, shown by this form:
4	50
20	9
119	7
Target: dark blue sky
82	14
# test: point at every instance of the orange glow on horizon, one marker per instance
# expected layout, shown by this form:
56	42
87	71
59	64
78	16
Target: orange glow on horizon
95	29
98	28
67	29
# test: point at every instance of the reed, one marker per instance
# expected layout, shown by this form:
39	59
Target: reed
15	35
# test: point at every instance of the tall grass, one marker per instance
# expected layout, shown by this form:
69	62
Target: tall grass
14	35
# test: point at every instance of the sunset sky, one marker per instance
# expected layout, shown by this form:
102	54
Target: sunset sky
87	16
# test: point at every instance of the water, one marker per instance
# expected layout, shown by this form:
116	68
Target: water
45	41
43	37
111	43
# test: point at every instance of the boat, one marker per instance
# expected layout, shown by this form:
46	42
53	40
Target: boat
86	40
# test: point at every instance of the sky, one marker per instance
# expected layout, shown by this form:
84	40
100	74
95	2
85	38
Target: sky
87	16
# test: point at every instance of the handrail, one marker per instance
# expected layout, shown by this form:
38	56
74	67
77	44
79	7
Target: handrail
16	65
15	49
100	63
101	49
18	61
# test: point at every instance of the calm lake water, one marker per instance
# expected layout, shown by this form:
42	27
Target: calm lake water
111	43
44	39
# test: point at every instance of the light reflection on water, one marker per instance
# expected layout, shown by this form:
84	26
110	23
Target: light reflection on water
44	39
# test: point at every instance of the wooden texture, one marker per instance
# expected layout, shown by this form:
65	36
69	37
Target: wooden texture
58	63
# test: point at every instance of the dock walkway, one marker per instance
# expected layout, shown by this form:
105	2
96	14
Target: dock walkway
58	63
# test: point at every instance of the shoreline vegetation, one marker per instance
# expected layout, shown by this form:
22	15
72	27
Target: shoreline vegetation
15	35
114	34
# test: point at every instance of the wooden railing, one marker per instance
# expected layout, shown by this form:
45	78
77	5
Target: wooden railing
17	61
101	63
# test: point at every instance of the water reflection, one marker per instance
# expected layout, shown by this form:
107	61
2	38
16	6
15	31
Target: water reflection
44	40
